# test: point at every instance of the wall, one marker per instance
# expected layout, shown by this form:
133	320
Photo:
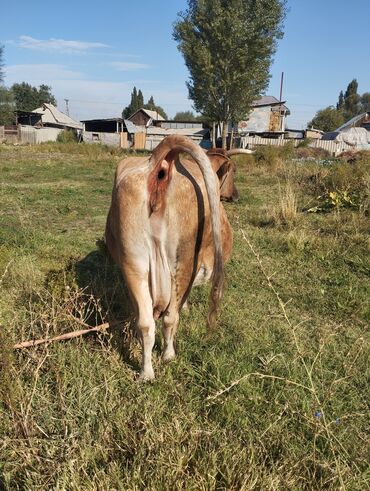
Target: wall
111	139
29	134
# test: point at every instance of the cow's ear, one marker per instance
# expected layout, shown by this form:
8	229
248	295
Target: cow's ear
220	164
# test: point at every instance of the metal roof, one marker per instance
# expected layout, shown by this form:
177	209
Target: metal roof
50	114
352	122
269	100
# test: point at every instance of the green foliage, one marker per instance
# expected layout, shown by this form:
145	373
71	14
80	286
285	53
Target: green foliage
228	48
273	156
152	106
186	116
351	100
1	64
137	102
365	102
67	136
275	399
349	104
328	119
29	98
6	106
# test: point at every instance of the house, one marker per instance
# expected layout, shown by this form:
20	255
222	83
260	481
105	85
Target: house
117	132
355	132
125	133
313	133
42	124
47	116
145	117
195	130
267	118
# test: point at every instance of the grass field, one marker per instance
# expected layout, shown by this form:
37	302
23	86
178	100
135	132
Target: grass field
275	399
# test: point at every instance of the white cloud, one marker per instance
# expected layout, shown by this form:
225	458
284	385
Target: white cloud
90	99
124	66
58	45
38	72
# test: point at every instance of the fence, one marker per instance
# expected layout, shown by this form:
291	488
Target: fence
29	134
334	147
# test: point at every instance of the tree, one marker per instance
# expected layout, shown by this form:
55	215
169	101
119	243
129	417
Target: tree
29	98
2	75
228	47
136	103
351	100
365	102
152	106
6	106
340	102
45	95
186	116
327	119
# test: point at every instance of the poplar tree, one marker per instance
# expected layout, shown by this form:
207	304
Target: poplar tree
228	46
2	75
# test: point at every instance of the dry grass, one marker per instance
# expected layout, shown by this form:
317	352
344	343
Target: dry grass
275	400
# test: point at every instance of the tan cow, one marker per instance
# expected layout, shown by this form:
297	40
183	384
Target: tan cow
225	169
167	230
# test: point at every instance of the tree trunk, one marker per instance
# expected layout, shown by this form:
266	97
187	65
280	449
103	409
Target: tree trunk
232	138
213	135
224	134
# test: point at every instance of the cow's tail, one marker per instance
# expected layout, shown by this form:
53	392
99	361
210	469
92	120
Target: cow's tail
168	149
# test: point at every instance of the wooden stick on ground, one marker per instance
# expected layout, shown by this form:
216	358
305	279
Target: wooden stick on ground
68	335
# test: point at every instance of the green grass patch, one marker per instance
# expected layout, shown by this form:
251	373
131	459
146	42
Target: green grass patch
275	399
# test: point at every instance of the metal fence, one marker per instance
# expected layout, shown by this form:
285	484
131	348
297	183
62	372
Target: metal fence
334	147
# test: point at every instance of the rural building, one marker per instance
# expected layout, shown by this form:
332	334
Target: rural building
40	125
267	118
313	133
47	116
125	133
355	132
195	130
145	117
117	132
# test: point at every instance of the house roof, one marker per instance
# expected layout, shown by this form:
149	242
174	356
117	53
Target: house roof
152	114
269	100
50	114
353	121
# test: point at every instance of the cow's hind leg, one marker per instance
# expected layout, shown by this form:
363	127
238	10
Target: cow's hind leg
145	324
169	328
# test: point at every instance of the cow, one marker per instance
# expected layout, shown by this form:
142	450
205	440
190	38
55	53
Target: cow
225	169
167	230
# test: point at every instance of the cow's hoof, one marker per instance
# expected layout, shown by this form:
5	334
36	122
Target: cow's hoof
168	356
146	376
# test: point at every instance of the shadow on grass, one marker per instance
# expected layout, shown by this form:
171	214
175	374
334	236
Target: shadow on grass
102	280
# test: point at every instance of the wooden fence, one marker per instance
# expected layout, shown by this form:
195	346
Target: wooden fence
334	147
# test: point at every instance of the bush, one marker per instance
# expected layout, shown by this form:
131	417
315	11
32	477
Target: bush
67	136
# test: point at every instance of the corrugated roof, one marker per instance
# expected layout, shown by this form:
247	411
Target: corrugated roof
352	122
270	100
52	115
153	114
130	126
266	100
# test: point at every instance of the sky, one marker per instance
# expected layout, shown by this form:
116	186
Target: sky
93	53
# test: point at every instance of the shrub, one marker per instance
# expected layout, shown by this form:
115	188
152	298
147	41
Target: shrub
67	136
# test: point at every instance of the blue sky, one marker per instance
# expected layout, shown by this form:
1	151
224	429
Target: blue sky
94	53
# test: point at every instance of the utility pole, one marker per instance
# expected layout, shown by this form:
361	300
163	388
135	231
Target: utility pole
67	107
282	113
